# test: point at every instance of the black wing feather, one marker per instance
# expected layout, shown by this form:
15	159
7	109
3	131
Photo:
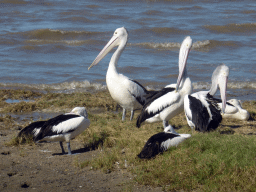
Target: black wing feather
200	116
215	111
151	98
144	89
216	100
141	98
29	129
46	130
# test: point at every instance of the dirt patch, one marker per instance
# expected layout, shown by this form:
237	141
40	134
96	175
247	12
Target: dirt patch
41	167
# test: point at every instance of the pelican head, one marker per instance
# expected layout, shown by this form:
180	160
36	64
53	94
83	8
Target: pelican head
243	114
183	57
119	38
236	103
80	111
220	78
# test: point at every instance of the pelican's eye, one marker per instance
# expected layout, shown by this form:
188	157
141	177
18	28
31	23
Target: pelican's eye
115	33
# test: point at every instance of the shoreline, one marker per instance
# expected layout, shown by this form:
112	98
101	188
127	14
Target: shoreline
244	91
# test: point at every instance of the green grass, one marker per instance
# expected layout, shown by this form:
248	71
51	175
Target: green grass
223	160
206	162
53	101
211	162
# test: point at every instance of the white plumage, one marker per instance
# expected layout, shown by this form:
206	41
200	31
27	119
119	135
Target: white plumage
173	142
161	142
64	127
128	93
234	110
168	102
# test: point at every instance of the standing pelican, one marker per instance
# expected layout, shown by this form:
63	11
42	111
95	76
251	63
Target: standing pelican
64	127
128	93
168	102
201	108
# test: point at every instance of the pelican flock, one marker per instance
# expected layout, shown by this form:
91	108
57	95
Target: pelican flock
128	93
201	108
168	102
203	112
61	128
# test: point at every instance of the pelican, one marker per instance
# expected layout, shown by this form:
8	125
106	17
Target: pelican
168	102
64	127
31	130
201	109
234	110
161	142
128	93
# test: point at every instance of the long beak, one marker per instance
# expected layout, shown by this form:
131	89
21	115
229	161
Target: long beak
182	65
108	47
223	88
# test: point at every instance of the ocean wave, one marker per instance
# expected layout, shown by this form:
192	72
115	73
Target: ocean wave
149	45
66	87
160	31
55	34
233	28
248	11
190	8
83	86
170	45
20	2
23	2
50	36
168	30
204	45
231	85
153	12
76	19
67	42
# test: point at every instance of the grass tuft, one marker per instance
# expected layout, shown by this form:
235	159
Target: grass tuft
16	141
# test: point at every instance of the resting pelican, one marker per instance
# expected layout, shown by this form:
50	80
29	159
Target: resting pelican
168	102
128	93
201	108
64	127
161	142
234	110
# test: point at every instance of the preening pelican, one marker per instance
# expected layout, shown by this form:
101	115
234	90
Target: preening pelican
201	109
64	127
161	142
128	93
168	102
234	110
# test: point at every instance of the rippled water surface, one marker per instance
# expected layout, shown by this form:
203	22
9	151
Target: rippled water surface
52	43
